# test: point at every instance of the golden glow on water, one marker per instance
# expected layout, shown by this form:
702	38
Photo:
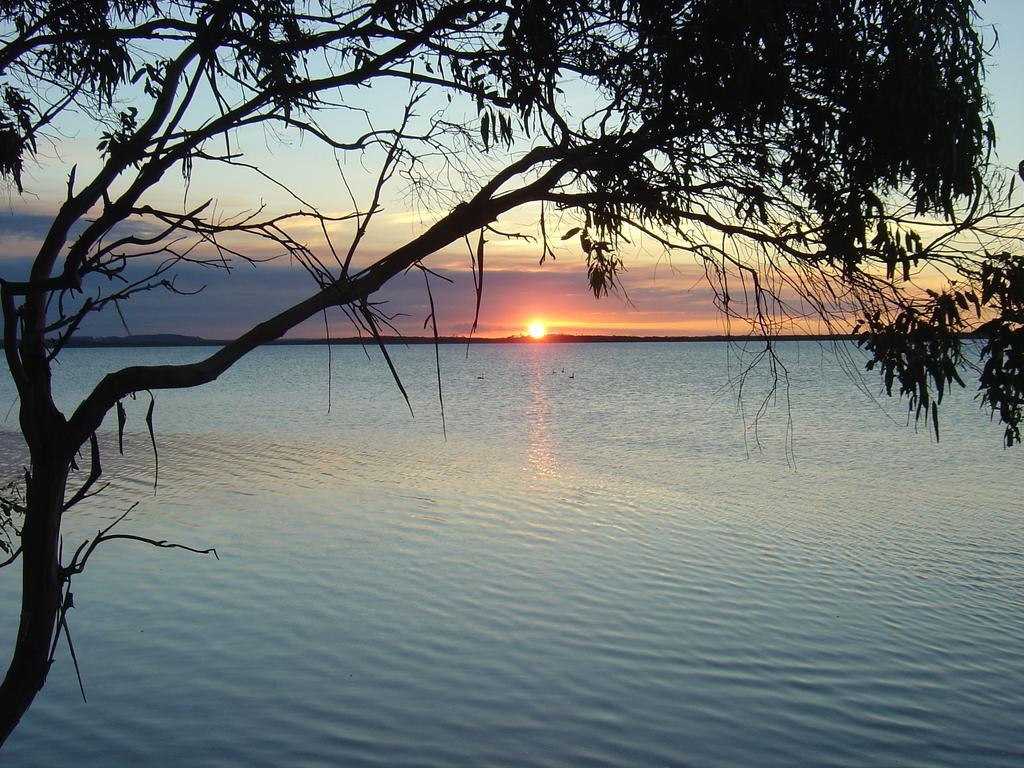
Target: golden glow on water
540	451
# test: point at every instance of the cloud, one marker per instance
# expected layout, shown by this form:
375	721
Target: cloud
29	226
33	227
559	297
660	302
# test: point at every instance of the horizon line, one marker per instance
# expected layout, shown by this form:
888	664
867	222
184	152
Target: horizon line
185	340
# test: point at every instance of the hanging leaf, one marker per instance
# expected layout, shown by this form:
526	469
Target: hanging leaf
94	455
479	282
437	352
121	418
365	310
152	439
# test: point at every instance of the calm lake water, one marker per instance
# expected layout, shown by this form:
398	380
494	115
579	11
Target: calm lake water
605	564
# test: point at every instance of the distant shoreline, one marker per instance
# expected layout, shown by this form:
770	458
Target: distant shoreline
176	340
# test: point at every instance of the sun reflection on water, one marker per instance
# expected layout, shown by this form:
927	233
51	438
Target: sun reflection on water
540	453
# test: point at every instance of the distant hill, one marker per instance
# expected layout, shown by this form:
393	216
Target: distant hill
179	340
143	340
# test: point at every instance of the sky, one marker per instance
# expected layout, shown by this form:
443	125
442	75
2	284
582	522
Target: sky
658	298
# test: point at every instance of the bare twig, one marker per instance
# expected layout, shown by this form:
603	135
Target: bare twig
11	559
87	547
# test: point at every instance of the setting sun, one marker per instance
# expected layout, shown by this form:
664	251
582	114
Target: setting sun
536	330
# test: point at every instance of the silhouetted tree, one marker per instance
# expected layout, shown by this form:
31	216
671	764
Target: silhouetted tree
815	157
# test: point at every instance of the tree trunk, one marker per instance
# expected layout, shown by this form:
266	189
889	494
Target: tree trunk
41	593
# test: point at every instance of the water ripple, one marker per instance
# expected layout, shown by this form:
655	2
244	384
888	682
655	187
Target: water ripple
617	585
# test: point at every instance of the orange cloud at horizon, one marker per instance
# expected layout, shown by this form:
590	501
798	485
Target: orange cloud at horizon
658	299
559	296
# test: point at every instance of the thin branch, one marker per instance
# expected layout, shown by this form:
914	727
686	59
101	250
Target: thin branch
11	559
86	548
95	471
386	171
162	543
432	319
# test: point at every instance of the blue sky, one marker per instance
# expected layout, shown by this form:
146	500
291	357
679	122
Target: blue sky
1005	76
